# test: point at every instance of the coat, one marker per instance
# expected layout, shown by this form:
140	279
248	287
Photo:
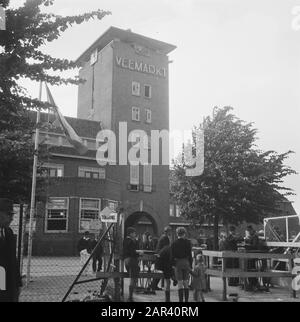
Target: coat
83	244
8	261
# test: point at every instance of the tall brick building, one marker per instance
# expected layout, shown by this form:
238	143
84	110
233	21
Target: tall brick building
127	80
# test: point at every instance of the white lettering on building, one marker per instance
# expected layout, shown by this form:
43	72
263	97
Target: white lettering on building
141	67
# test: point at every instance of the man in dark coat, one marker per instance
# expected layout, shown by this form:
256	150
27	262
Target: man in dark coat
163	241
97	256
130	257
10	279
83	247
164	263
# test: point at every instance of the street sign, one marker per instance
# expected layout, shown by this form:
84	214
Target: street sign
108	216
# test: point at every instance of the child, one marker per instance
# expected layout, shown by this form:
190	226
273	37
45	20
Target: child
198	278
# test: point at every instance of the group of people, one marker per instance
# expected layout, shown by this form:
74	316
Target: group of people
85	247
251	242
173	259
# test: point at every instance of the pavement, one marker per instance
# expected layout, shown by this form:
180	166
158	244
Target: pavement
52	277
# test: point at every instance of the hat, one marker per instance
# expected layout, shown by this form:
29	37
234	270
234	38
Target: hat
130	230
6	205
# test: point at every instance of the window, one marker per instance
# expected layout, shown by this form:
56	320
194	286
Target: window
133	187
172	210
148	115
89	214
53	170
136	89
57	215
177	211
134	177
135	113
147	92
147	178
92	173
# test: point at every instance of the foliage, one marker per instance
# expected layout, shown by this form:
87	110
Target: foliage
27	29
239	183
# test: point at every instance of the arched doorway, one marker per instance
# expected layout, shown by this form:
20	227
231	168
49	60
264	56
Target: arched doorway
142	222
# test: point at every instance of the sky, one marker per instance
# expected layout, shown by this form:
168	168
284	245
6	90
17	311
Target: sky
245	54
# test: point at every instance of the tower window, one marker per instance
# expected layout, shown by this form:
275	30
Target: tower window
135	113
136	89
147	91
147	177
134	177
148	115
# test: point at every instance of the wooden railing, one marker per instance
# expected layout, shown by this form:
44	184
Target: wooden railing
242	272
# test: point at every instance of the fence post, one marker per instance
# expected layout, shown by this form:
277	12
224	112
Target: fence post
224	280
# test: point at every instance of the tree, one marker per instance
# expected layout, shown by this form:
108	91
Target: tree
27	29
239	183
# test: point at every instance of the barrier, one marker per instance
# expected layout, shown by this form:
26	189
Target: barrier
242	272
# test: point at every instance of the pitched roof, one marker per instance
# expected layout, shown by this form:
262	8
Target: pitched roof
83	128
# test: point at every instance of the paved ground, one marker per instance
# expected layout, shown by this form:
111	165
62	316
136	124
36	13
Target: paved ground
52	289
52	277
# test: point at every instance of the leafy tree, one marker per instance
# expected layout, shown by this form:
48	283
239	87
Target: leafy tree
239	183
27	29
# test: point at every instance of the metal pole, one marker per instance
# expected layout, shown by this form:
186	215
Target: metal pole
33	189
86	263
287	229
20	234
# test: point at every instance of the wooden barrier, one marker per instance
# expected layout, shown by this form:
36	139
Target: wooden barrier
103	275
242	272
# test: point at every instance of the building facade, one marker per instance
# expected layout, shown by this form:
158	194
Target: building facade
126	81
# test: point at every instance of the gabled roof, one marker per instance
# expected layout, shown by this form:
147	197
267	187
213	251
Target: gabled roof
125	36
83	128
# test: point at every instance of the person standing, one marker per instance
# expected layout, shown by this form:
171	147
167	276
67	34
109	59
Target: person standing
222	241
181	252
130	257
163	241
164	263
231	244
83	248
150	245
198	278
10	278
97	256
251	245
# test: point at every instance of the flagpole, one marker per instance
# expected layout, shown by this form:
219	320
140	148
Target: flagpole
33	188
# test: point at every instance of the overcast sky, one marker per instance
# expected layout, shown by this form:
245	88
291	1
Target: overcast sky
242	53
